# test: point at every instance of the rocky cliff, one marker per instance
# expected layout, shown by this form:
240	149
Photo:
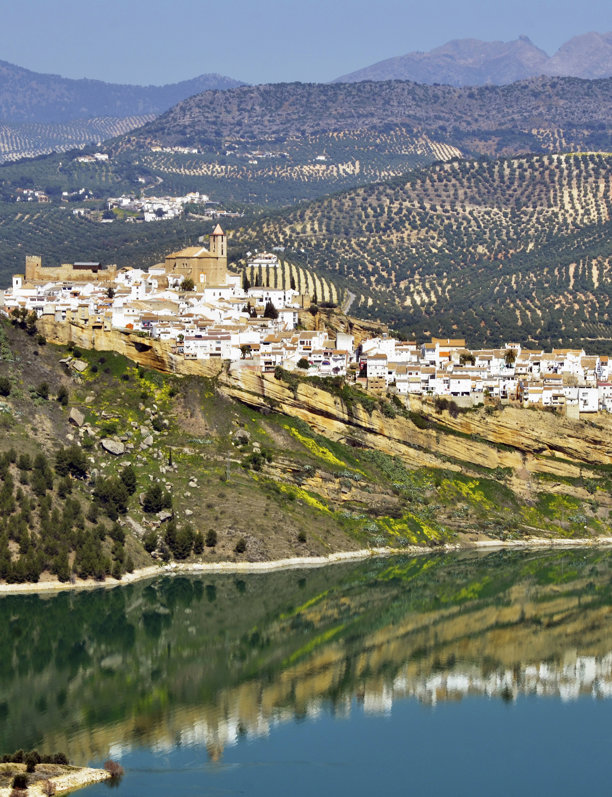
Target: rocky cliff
525	441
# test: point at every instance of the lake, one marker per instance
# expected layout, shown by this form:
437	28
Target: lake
462	674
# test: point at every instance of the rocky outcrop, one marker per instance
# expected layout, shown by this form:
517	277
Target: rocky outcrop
147	352
525	441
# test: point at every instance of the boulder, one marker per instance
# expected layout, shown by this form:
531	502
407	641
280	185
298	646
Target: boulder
113	446
146	443
164	515
78	365
242	437
76	417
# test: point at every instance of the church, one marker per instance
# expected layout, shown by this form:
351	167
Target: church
206	267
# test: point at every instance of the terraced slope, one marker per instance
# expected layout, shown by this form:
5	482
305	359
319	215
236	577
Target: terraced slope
299	167
32	139
514	248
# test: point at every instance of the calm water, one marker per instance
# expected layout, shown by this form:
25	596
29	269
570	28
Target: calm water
462	675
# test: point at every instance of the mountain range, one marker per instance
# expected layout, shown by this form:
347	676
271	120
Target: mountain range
472	62
27	96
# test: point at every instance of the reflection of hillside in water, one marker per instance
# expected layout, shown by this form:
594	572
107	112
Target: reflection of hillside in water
207	661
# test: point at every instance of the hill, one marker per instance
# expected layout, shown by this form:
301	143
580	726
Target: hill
276	145
537	115
27	96
472	62
490	250
322	466
32	139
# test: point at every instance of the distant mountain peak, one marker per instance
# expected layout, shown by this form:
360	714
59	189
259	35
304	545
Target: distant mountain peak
27	96
473	62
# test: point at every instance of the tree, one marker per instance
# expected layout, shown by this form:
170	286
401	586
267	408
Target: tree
246	283
128	477
71	460
187	284
303	363
112	496
155	499
270	311
198	542
245	349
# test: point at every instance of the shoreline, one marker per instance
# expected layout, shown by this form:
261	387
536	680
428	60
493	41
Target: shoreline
297	563
67	782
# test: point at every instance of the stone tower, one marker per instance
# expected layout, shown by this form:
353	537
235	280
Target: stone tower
218	242
33	266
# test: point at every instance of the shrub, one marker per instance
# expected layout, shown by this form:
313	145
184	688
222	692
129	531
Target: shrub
5	386
240	546
158	424
109	428
20	781
43	390
302	536
31	760
211	538
115	769
62	396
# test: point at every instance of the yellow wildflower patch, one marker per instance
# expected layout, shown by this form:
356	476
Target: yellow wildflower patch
319	451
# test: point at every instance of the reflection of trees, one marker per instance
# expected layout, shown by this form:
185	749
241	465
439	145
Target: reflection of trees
209	658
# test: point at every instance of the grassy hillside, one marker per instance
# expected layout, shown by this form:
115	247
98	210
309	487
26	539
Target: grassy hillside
493	250
69	506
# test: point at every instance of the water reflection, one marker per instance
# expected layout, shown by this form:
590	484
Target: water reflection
207	661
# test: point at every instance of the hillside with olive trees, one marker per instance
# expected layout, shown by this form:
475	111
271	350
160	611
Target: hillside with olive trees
537	115
494	250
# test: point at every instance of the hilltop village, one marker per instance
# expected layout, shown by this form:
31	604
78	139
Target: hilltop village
203	312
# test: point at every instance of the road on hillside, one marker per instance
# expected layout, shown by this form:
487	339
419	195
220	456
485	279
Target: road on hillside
346	304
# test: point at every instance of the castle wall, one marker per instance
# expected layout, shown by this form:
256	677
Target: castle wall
36	272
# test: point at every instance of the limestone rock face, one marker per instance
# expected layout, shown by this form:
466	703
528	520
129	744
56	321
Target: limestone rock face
527	441
113	446
147	352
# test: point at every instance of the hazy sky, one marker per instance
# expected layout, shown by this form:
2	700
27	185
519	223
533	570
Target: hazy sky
260	41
